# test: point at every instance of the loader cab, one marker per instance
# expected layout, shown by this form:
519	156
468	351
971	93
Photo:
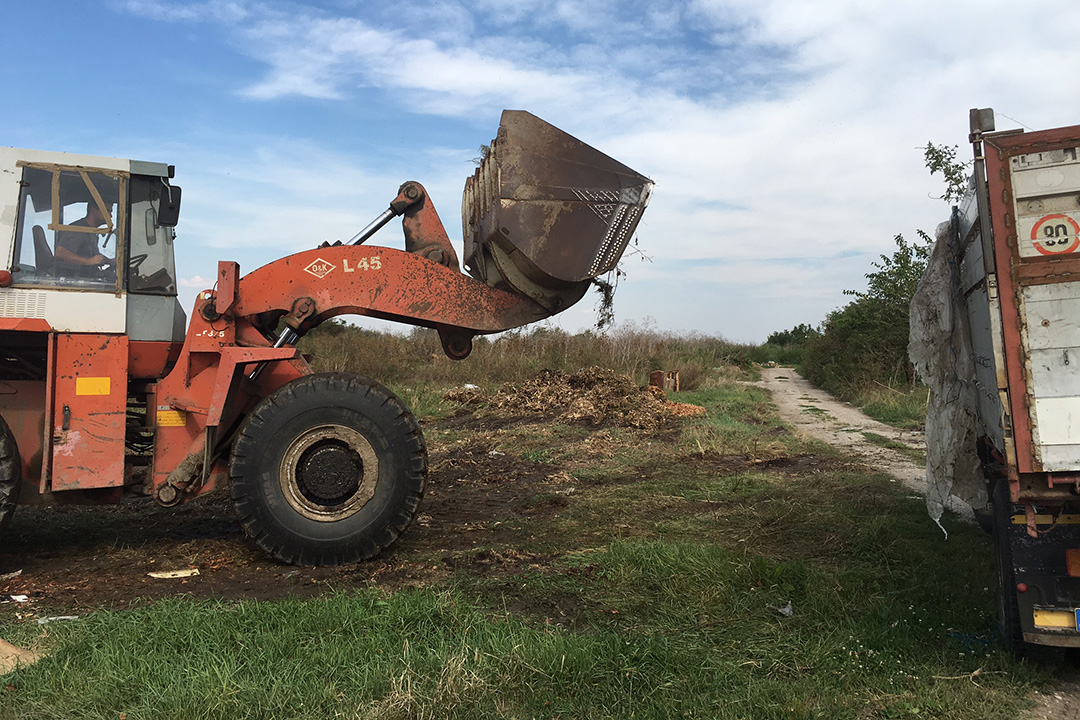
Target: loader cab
90	244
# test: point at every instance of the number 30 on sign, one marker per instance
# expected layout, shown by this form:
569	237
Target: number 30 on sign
1055	234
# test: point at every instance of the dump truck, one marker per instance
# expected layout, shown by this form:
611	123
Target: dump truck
108	391
1004	322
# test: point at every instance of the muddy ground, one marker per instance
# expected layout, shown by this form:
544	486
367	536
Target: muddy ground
77	559
70	560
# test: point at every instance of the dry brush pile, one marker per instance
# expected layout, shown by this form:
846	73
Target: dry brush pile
593	396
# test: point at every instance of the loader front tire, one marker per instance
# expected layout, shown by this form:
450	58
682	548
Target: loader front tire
328	469
10	473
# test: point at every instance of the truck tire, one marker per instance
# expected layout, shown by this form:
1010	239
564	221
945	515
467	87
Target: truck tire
328	469
10	473
1008	610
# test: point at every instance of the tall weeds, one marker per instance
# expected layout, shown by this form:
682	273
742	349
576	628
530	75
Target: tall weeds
517	355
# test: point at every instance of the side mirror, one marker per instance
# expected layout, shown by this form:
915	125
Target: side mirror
169	208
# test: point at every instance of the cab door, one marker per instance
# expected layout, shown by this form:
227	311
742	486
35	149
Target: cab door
89	411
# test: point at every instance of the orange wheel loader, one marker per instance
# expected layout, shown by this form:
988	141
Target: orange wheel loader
107	391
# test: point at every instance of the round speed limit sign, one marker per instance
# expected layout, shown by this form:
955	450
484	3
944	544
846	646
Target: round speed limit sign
1055	235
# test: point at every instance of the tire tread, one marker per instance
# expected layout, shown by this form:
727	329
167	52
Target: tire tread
346	390
10	473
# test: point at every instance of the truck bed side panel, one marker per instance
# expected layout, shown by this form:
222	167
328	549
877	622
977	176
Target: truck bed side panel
1034	181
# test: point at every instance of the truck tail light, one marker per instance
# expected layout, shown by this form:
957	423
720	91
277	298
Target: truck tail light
1072	562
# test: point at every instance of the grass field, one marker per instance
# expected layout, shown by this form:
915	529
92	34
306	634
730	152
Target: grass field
717	567
900	407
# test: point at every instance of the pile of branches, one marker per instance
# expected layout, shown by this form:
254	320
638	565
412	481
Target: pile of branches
593	396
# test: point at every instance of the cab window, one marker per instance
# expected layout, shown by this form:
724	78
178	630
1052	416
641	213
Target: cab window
70	226
151	268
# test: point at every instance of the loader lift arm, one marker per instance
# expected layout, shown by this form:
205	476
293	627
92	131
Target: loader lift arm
419	286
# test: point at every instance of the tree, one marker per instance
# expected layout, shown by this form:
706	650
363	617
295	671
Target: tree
941	159
796	336
866	341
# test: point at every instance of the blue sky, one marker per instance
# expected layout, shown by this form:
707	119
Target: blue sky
783	135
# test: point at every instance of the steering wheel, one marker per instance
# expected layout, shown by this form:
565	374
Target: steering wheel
135	261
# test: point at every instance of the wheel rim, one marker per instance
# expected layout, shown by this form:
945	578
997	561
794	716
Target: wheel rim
329	472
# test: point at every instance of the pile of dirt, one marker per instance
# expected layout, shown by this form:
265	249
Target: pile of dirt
469	396
593	396
680	410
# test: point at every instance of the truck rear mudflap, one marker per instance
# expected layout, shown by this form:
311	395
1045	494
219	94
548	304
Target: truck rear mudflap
1046	576
1048	595
545	213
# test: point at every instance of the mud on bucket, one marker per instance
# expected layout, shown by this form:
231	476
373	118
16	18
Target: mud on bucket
545	213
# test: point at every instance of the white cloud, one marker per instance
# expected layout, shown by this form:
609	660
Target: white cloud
280	196
225	11
775	129
313	57
196	282
331	58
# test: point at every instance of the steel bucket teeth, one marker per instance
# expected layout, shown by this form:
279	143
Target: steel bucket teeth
545	213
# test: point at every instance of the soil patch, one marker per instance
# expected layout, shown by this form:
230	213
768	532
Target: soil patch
73	559
789	465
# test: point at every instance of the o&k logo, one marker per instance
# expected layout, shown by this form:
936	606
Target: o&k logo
320	268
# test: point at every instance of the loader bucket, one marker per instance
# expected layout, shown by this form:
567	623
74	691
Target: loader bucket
545	213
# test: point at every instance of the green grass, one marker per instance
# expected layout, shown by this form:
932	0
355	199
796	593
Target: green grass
673	563
662	628
902	408
919	456
539	455
741	422
815	410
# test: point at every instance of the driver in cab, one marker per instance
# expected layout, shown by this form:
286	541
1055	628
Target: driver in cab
77	252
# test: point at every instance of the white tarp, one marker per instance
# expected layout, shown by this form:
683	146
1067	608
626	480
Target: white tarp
940	348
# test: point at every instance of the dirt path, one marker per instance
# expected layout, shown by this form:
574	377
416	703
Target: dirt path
819	415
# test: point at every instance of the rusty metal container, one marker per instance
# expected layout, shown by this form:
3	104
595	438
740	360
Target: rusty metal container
995	332
545	213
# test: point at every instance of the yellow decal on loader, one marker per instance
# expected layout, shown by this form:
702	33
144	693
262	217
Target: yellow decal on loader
93	386
171	418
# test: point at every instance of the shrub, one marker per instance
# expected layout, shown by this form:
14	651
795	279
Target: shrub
866	341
